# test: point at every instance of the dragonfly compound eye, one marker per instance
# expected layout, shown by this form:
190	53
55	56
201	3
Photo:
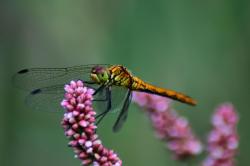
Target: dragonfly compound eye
99	74
98	70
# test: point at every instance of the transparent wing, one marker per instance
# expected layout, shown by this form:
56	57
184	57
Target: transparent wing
101	100
115	99
46	85
100	103
49	98
46	99
122	117
34	78
118	95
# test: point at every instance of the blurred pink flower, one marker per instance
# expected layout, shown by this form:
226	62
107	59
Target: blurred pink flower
79	127
169	126
223	140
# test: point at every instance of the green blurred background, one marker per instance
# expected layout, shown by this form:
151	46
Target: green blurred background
198	47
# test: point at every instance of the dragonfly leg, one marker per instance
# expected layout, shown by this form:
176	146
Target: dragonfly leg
99	89
100	100
102	115
89	82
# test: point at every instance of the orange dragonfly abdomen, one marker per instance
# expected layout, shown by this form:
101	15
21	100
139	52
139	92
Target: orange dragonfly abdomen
139	85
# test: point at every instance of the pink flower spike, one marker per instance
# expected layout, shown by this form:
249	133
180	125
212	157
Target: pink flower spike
79	126
169	126
223	140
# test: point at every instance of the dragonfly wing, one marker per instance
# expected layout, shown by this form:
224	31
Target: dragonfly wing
46	99
118	95
107	106
34	78
124	112
109	100
101	100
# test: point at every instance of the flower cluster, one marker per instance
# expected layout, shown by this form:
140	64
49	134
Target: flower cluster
223	139
79	126
170	127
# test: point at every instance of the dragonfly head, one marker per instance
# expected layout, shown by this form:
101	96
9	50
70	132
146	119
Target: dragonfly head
99	74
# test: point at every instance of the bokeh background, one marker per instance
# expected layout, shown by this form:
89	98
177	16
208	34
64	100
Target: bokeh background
198	47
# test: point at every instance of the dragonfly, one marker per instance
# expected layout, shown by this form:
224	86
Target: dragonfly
113	85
